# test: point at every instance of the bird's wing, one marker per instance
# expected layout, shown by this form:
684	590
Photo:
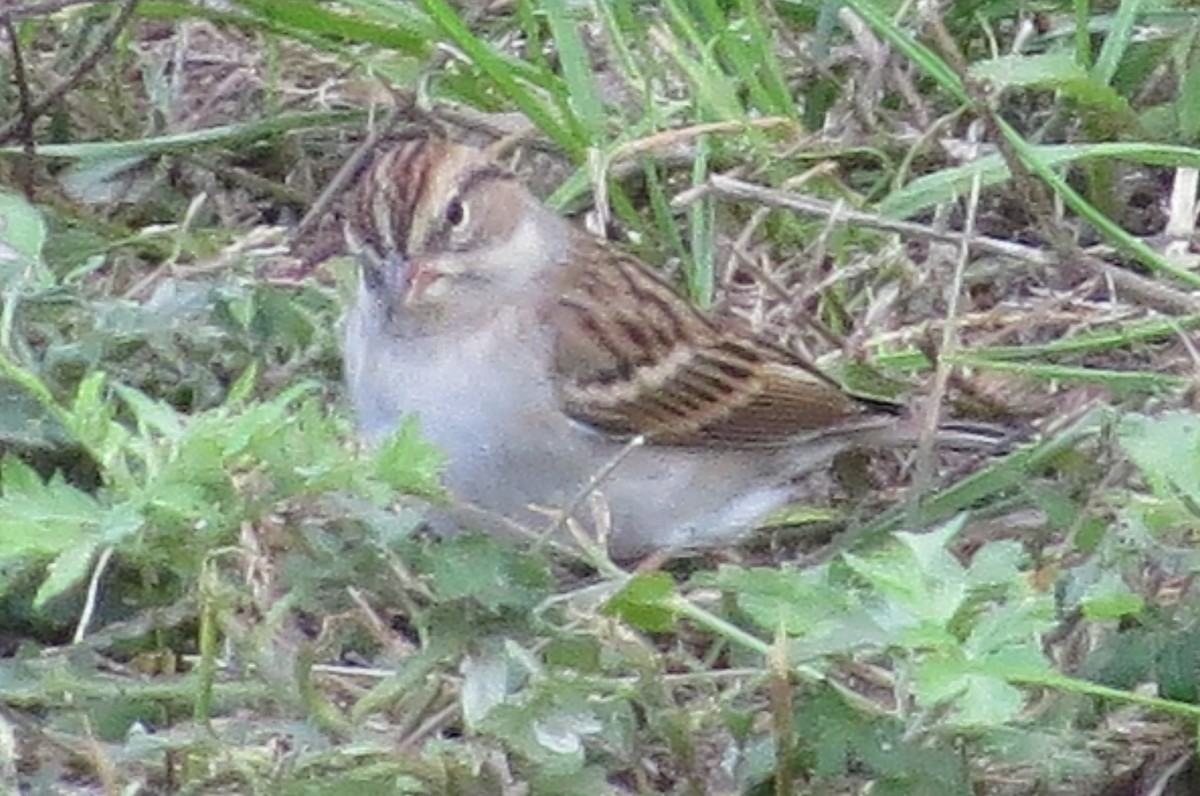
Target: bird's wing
632	357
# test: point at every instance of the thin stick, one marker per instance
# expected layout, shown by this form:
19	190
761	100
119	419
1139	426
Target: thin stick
923	475
24	122
89	61
89	604
592	484
1150	292
347	172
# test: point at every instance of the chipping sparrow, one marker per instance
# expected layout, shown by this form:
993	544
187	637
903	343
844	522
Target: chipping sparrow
532	352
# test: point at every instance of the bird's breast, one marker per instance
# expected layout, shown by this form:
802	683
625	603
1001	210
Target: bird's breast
484	397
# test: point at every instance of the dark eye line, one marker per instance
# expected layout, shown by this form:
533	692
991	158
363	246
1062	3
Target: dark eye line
479	175
439	236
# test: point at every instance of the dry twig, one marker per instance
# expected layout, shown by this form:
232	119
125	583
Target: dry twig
85	65
1149	292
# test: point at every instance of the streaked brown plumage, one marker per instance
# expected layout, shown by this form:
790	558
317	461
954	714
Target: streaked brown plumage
632	357
532	350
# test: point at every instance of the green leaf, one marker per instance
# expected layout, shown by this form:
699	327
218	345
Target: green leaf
976	698
105	180
1024	660
800	602
1178	666
119	523
577	70
1188	104
242	430
243	388
1111	598
485	683
1049	69
1166	449
152	414
929	548
646	602
92	418
987	702
1011	624
504	72
180	499
394	16
16	477
408	463
1116	43
941	677
949	184
307	15
25	421
574	652
716	92
69	568
41	518
918	575
1059	71
997	563
846	740
22	235
701	273
1123	660
490	571
232	136
585	782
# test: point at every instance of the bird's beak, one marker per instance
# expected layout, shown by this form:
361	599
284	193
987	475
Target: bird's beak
420	277
404	278
393	273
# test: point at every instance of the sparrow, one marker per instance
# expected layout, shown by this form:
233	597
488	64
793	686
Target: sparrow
537	355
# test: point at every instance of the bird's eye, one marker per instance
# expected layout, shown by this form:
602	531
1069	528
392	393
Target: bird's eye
456	213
